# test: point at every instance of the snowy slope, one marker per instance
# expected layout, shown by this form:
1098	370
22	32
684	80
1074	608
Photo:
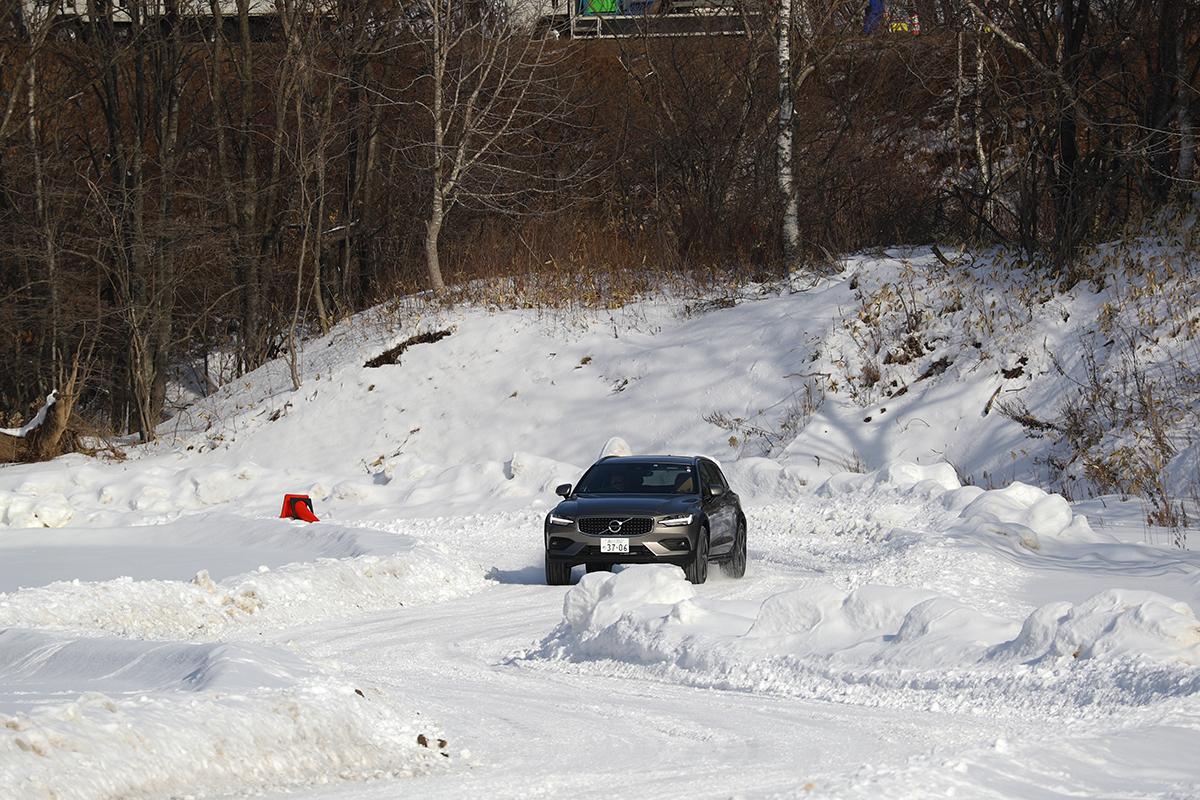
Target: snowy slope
899	634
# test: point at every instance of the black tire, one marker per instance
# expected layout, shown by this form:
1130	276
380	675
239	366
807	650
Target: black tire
558	573
597	568
697	569
735	565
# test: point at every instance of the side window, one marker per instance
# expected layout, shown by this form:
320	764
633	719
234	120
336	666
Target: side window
720	476
711	475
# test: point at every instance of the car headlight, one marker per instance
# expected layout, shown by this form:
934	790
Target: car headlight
672	522
557	520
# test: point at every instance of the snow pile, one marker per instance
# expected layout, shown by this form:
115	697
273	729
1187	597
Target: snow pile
615	446
1111	624
202	608
173	717
1022	513
920	479
37	667
1018	512
74	491
222	544
881	644
602	598
51	510
909	627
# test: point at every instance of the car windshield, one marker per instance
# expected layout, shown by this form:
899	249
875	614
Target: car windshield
619	477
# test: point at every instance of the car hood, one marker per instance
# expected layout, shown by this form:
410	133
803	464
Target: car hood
627	505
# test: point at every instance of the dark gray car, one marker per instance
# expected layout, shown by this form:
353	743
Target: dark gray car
647	510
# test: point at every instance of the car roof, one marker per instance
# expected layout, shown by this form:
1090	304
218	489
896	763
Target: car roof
652	459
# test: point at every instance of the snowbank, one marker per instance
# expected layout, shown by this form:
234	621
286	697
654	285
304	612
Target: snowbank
37	667
1018	512
1111	624
291	595
74	491
1023	513
876	643
106	718
602	598
221	544
932	478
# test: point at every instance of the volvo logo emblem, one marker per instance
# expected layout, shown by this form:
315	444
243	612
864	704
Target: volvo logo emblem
614	526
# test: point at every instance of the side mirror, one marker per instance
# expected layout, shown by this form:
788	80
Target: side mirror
715	491
563	490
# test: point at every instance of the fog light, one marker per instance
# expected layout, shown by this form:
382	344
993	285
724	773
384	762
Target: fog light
675	544
559	543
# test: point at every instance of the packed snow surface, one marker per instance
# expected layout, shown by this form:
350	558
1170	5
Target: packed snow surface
898	633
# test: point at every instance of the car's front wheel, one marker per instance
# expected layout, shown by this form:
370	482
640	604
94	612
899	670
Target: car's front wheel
558	573
697	569
735	566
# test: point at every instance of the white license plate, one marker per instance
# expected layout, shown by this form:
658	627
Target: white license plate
614	545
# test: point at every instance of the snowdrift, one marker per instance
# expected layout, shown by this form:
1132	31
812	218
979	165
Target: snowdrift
1020	513
876	643
77	493
105	718
203	608
886	645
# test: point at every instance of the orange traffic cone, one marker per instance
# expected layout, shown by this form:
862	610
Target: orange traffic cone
298	506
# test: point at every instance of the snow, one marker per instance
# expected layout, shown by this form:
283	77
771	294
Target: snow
886	637
602	598
36	422
923	612
405	572
103	717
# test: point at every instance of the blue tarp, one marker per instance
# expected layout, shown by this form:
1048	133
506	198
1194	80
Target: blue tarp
873	16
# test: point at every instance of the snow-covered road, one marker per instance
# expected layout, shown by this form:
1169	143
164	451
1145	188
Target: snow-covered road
538	726
895	636
536	730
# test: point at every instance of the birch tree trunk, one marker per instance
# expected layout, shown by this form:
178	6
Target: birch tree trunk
958	96
433	229
433	226
790	230
985	173
49	243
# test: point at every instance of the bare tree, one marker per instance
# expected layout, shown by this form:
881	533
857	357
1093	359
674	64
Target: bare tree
808	33
251	155
27	26
490	92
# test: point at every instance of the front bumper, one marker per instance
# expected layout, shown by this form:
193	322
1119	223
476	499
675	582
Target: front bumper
661	545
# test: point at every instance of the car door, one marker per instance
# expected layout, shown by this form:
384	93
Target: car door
719	506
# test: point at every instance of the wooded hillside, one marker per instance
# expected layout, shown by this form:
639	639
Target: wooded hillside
192	186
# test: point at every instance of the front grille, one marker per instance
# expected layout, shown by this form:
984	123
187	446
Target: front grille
603	526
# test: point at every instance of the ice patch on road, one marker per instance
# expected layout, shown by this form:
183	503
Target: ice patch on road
176	716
